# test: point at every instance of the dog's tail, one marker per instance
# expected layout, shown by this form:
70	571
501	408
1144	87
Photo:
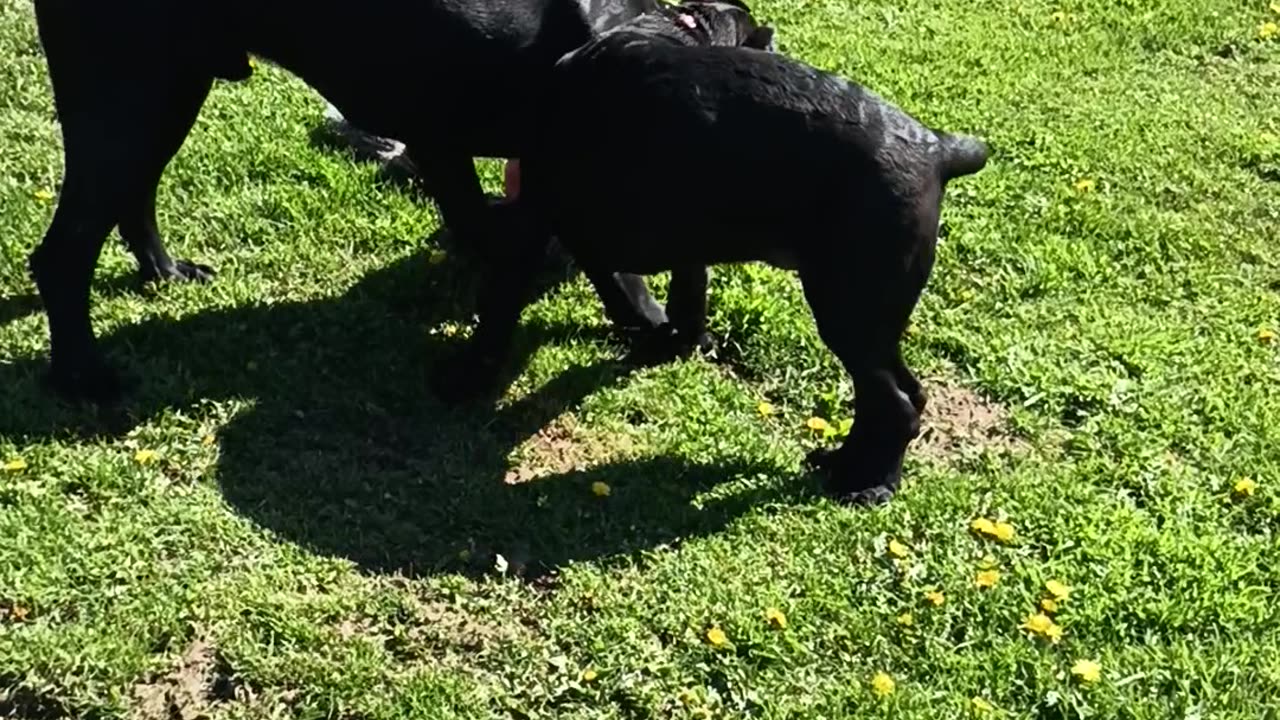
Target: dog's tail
961	155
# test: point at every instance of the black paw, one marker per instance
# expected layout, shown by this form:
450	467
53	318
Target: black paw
867	497
664	344
92	381
855	480
178	271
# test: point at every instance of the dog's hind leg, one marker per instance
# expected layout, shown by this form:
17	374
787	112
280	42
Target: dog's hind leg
114	151
908	383
627	301
861	314
63	267
162	133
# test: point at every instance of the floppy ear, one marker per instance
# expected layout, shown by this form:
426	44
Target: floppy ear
761	39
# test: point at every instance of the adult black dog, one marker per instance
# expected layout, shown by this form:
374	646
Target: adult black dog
453	79
743	155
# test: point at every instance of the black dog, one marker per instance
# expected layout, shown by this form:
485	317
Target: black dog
453	79
744	155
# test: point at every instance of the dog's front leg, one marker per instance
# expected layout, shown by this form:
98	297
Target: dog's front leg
455	187
508	287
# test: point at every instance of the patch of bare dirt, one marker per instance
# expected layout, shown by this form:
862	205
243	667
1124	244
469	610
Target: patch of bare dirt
197	683
564	446
959	420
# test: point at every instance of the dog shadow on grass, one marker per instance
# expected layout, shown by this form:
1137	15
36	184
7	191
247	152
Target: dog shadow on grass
346	451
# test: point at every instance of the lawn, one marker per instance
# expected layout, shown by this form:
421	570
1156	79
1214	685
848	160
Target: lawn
283	521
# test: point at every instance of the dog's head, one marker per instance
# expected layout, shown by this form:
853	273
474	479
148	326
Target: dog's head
722	22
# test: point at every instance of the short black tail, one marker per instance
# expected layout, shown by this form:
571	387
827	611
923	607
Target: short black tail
961	155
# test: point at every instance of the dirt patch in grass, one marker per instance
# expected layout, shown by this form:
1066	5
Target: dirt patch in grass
198	681
959	420
565	446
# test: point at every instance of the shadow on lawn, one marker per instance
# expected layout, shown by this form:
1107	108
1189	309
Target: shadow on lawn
347	452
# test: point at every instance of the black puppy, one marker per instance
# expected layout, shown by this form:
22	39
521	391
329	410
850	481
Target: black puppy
452	79
744	155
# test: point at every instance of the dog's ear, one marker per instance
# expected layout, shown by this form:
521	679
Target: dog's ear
761	39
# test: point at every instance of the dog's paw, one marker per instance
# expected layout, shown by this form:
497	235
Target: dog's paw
855	479
664	344
867	497
178	271
87	381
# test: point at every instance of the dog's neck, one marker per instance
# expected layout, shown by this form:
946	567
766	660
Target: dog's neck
684	24
690	23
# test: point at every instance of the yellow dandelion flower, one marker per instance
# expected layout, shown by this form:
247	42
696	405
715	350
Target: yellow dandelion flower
15	465
817	424
883	684
898	550
253	64
987	578
981	705
777	619
1038	623
1268	30
765	409
906	619
1004	532
1058	589
589	674
142	457
983	526
1049	605
716	637
600	489
1244	487
1267	336
935	598
1088	671
1044	626
42	195
1085	185
208	440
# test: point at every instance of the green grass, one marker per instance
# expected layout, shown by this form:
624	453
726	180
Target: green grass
330	533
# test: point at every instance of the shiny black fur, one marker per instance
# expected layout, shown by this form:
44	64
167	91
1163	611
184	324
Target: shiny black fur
734	155
452	79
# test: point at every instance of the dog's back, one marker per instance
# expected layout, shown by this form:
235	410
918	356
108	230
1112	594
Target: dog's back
740	142
752	104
